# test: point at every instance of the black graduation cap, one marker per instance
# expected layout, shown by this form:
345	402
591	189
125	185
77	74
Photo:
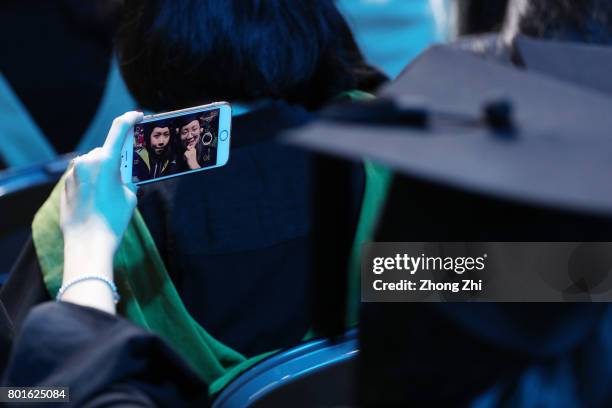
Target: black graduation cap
481	151
457	120
581	64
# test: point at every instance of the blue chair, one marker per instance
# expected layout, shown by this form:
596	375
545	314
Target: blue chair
313	374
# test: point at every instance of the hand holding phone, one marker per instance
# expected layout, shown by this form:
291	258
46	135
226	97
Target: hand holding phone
95	210
171	144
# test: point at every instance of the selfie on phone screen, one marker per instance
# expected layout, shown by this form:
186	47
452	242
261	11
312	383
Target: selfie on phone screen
175	143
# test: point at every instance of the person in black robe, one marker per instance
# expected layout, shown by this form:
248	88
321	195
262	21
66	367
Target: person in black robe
236	240
450	354
103	359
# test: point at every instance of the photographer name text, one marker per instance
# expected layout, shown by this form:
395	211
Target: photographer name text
450	266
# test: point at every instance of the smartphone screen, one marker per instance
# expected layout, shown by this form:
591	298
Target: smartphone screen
176	143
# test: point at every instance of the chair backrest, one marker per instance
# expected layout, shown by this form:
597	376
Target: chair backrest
22	192
313	374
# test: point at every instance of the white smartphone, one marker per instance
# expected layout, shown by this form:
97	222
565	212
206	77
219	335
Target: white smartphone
171	144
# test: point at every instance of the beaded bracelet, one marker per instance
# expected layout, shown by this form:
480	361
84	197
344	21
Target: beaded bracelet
82	278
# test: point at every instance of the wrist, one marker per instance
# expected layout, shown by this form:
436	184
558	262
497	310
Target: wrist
91	293
87	257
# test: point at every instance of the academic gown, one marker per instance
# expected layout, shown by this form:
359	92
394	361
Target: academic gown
103	359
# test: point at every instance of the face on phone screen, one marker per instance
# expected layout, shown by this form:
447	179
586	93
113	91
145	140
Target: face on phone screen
171	146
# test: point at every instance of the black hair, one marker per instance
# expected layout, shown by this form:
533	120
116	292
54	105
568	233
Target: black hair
175	54
148	131
181	121
588	21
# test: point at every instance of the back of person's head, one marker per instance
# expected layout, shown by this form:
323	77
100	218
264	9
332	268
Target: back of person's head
587	21
180	53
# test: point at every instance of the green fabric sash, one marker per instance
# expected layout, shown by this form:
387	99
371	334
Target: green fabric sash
150	300
378	180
